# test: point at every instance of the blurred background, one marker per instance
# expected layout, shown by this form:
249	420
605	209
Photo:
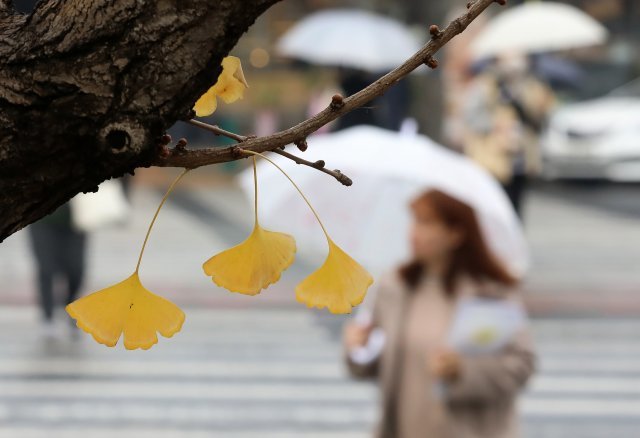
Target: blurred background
268	367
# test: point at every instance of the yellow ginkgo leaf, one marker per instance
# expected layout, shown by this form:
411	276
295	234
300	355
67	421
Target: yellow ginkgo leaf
207	104
127	308
257	262
339	284
231	82
229	87
254	264
233	65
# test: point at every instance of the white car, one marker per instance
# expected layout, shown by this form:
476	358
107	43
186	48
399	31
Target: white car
595	139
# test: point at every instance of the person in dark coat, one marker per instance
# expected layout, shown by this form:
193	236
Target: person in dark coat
59	251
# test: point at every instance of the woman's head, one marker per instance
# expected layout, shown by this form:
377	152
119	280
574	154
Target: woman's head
445	229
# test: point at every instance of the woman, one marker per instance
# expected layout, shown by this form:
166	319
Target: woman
413	309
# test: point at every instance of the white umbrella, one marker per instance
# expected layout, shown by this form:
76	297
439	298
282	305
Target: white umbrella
370	220
538	27
350	38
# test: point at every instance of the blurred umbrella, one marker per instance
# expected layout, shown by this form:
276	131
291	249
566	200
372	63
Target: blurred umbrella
538	27
558	72
350	38
371	219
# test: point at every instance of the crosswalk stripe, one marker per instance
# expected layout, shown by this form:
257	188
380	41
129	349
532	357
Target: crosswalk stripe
70	389
268	412
256	353
203	413
324	365
205	368
598	364
580	407
84	431
233	389
603	348
328	368
587	385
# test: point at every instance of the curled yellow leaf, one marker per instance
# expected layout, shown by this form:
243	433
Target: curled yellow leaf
254	264
229	87
231	82
126	308
339	284
207	104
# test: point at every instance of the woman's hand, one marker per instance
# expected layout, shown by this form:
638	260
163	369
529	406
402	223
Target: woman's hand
444	364
356	334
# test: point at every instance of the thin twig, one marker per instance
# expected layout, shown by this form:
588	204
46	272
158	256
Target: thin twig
218	130
319	165
341	177
338	107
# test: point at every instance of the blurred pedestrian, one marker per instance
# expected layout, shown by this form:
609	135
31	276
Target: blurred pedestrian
387	111
59	251
505	111
429	388
352	81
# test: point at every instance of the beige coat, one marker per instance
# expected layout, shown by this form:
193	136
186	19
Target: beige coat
480	404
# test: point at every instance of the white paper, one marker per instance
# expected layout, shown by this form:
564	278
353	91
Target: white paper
484	325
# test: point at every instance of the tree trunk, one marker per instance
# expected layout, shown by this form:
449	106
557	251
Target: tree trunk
88	86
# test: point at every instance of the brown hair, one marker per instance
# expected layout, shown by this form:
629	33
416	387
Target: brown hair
472	257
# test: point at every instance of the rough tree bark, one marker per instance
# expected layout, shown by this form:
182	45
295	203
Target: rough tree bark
87	87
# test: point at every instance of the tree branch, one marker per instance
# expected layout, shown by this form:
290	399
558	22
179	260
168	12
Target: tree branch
337	108
218	130
318	165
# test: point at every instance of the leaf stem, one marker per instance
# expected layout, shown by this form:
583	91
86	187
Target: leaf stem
155	216
294	184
